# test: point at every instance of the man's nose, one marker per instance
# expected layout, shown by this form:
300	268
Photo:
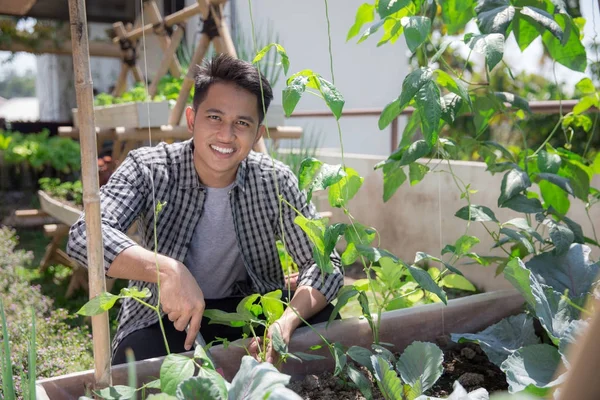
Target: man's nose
226	133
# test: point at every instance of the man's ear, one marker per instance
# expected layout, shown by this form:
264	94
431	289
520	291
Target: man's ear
261	132
190	117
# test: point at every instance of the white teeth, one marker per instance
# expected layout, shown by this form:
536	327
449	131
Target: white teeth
222	150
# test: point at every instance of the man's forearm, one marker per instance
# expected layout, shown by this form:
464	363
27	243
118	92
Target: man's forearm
307	301
137	263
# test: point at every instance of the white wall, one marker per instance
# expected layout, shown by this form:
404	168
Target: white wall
367	76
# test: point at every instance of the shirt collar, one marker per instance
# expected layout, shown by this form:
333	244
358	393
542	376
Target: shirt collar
188	178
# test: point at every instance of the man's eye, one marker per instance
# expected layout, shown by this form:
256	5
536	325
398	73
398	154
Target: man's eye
214	117
243	123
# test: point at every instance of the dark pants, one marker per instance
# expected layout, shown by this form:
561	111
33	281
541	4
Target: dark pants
148	342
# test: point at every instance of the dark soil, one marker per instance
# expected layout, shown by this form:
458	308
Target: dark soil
465	362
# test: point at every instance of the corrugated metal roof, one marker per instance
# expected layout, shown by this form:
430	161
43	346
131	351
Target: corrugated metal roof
20	109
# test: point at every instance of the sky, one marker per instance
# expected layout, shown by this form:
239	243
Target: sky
512	55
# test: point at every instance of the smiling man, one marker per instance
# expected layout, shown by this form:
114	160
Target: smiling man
217	232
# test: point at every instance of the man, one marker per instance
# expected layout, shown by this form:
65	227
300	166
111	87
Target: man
216	234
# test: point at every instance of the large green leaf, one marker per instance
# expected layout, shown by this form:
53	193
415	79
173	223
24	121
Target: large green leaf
513	183
272	305
455	281
340	358
494	16
584	104
532	369
476	213
518	275
514	100
417	172
393	178
412	153
484	107
459	393
361	356
578	177
464	243
572	271
456	14
410	86
421	362
451	105
333	98
389	7
344	190
325	176
416	30
430	109
560	181
523	225
548	162
569	51
449	83
371	30
292	93
209	385
491	46
524	30
117	392
256	380
360	380
344	295
501	339
544	19
221	317
175	369
388	382
426	282
357	234
99	304
570	336
518	237
364	14
521	203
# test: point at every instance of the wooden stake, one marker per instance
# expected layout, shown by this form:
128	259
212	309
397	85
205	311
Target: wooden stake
91	193
166	60
163	41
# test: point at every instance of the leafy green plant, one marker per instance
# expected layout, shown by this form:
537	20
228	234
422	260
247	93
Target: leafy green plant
71	191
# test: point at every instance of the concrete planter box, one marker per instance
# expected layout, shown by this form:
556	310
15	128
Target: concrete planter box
130	115
399	327
65	213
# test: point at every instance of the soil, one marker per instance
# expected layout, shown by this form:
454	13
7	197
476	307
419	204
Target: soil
465	362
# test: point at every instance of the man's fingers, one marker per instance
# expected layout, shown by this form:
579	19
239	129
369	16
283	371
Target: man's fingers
182	322
193	330
174	316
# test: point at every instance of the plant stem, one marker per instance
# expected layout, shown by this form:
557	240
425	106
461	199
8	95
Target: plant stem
587	211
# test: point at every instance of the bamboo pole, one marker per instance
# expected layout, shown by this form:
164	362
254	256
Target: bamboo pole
91	194
164	41
166	60
97	48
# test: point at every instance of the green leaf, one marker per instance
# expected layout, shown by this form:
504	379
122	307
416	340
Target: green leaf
354	235
344	295
393	178
292	93
410	86
417	172
578	177
325	176
577	120
99	304
364	14
361	356
426	282
561	182
340	358
309	357
412	153
569	51
451	106
586	86
501	339
205	361
439	53
392	28
221	317
454	281
544	19
246	307
572	271
332	96
422	362
521	203
374	254
285	61
522	224
416	30
571	335
548	162
389	7
174	370
532	369
424	256
309	168
484	108
491	46
134	292
344	190
464	244
272	306
582	106
117	392
360	380
518	275
494	16
513	183
256	380
524	30
209	385
388	382
505	152
476	213
456	14
430	109
449	83
157	396
518	237
514	100
371	30
364	305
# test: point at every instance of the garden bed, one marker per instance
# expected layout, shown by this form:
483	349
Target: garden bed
64	211
399	327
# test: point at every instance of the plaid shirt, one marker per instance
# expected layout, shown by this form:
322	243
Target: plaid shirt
255	207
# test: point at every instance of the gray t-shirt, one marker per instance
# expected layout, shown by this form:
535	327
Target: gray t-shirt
213	256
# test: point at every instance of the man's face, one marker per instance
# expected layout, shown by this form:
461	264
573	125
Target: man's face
225	127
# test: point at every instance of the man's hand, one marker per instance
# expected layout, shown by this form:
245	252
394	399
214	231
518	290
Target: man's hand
271	356
182	300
